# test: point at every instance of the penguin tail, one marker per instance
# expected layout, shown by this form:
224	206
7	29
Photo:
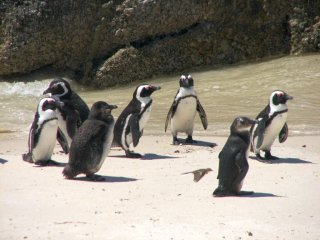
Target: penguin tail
68	172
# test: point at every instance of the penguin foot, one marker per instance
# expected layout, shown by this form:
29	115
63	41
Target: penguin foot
222	192
268	156
131	154
189	140
27	157
95	177
175	141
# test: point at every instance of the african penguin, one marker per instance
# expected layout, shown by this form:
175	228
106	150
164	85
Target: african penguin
91	143
129	125
42	134
61	89
233	163
271	124
72	110
183	111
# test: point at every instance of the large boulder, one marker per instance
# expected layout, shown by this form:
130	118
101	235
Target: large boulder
112	42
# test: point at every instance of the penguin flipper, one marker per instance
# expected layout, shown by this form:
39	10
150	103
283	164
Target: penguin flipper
73	120
202	115
259	131
135	128
170	114
283	135
62	141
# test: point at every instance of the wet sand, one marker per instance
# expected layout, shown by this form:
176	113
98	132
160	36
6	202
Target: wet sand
149	198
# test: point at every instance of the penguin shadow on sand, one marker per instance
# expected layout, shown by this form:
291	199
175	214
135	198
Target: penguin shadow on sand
108	179
3	161
49	163
288	160
259	195
198	143
153	156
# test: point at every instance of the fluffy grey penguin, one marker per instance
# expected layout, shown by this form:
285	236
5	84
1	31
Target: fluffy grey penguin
129	125
91	143
271	124
233	163
183	111
42	134
72	110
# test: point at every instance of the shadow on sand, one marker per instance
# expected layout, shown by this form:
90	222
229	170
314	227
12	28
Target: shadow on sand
198	143
110	179
259	195
3	161
282	160
152	156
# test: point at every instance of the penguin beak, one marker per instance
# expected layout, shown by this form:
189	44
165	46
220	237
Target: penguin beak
113	106
288	97
46	91
155	88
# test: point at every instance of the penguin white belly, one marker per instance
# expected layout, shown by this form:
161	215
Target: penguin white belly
183	119
62	124
106	146
273	130
145	117
46	141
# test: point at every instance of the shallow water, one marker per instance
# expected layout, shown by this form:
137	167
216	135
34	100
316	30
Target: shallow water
224	93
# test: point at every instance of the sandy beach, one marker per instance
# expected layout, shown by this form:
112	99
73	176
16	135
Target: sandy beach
149	198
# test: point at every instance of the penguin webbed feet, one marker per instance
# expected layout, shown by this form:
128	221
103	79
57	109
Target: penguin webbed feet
27	157
131	154
189	140
268	156
47	163
175	141
222	192
96	177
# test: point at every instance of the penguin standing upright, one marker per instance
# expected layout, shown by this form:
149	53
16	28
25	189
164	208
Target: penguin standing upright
91	143
271	123
129	125
183	111
72	110
42	134
233	163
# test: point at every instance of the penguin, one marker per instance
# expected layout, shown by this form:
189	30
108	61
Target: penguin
233	163
271	124
91	143
61	89
183	111
200	173
42	134
131	122
72	110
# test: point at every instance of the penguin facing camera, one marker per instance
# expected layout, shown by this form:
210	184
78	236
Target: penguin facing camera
183	111
131	122
43	133
233	162
271	124
91	143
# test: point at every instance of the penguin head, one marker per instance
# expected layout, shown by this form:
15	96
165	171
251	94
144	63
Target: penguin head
101	111
47	107
279	97
186	81
242	124
59	88
145	90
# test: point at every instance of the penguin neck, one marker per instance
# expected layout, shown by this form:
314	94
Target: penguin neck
183	91
144	101
277	108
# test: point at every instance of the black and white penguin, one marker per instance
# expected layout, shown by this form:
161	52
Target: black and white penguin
91	143
131	122
233	162
183	111
43	133
271	124
72	110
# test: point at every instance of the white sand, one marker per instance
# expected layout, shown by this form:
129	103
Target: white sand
150	199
